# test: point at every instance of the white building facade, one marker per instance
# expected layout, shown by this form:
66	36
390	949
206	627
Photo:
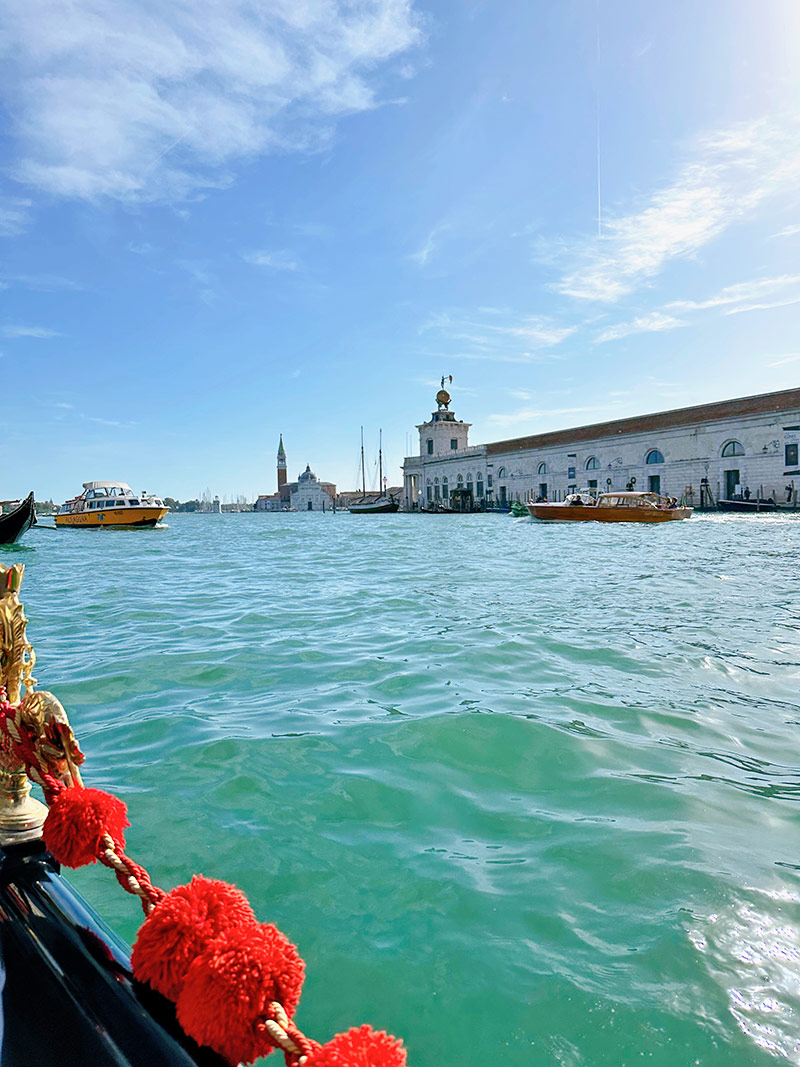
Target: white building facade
705	453
309	494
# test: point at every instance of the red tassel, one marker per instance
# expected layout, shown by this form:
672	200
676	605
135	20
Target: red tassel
227	991
182	926
77	820
360	1047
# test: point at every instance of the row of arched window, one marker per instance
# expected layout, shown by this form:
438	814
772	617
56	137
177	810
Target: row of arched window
655	455
437	491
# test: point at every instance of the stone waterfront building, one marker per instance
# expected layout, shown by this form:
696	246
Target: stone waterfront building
725	449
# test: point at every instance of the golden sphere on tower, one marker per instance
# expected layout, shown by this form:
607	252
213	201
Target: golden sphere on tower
443	397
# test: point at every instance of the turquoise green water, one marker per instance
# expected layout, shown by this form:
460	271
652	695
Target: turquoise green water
521	794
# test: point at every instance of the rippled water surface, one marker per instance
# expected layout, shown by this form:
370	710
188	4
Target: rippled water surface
522	794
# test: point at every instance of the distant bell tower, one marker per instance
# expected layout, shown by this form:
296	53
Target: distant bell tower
281	465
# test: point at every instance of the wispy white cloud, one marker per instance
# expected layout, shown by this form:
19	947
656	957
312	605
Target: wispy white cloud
756	294
531	415
277	259
498	336
47	283
29	331
790	231
14	215
654	322
727	176
153	102
429	245
793	357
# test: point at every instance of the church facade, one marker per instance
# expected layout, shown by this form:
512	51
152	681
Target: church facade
308	493
724	450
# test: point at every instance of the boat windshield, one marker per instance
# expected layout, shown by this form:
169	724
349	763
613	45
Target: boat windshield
629	500
580	498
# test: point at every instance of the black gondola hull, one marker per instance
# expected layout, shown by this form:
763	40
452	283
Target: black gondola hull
69	994
17	522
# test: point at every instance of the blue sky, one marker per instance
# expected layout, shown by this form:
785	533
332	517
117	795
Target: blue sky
226	220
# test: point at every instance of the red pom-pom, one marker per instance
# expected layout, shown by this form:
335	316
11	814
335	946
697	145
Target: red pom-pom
77	820
227	990
360	1047
181	926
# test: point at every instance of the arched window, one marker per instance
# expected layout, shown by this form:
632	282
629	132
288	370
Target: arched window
460	480
654	456
542	468
501	473
593	465
445	488
479	485
732	448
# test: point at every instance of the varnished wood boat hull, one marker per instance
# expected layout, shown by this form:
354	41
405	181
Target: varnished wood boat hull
577	513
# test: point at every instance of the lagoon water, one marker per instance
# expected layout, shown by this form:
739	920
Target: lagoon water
521	794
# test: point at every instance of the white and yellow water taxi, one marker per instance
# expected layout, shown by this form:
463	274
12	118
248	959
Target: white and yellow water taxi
111	504
612	507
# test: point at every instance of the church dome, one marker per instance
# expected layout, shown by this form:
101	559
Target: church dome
308	475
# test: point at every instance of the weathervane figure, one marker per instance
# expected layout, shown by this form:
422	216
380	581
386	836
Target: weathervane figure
447	377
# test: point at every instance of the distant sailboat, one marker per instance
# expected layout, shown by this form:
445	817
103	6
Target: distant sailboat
382	504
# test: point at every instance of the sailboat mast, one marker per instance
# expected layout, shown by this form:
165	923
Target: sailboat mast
380	463
363	473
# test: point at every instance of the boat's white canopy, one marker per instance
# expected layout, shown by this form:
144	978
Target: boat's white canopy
108	485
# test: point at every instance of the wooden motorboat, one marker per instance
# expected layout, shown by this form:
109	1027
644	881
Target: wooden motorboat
17	522
111	504
612	507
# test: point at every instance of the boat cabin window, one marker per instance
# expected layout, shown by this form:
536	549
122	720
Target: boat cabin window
133	501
